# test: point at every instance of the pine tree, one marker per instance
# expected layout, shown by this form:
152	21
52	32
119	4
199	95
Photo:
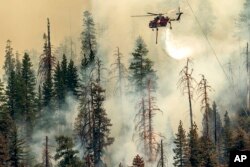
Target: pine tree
11	95
141	68
2	96
240	141
45	70
227	137
59	86
138	161
9	63
16	148
92	124
72	79
208	152
65	152
194	145
181	158
88	39
64	69
28	79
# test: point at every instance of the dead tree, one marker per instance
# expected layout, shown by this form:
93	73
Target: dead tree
46	154
92	124
119	71
203	89
144	125
186	84
138	161
162	161
47	60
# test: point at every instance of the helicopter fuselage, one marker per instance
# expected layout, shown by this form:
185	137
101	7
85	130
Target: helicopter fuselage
159	21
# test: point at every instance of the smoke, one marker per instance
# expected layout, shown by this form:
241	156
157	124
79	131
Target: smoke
115	28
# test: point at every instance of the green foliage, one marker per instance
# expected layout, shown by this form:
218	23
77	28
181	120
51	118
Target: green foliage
181	150
141	68
88	39
28	95
59	86
208	152
17	147
194	145
9	63
65	152
72	79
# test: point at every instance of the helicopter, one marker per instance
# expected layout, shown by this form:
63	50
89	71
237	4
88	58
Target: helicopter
160	20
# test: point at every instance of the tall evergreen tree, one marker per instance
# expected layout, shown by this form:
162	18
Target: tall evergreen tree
29	83
227	137
59	86
92	124
16	149
45	70
65	152
88	40
9	63
72	79
141	68
11	95
208	152
181	158
194	145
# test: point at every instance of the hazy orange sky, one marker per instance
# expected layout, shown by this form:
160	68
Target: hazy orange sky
24	22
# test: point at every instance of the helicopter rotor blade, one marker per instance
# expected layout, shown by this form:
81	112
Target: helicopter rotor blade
142	15
153	13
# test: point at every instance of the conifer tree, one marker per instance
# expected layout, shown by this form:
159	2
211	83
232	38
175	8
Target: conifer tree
138	161
72	79
45	70
141	68
241	140
88	40
9	63
65	152
64	69
208	152
194	145
11	95
181	158
28	79
59	86
16	148
227	137
92	124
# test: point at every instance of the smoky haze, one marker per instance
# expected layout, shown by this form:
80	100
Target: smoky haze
24	22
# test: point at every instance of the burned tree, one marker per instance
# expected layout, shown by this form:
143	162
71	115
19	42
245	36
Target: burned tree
46	154
208	152
163	158
203	89
46	64
144	125
119	71
92	124
186	83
